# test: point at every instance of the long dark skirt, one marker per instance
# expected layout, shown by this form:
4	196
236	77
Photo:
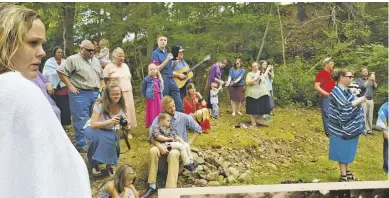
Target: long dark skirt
260	106
104	146
236	93
63	104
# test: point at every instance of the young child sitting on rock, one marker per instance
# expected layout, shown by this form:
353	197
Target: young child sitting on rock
163	133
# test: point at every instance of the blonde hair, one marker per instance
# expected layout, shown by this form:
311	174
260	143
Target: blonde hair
123	172
163	116
159	75
116	52
15	22
104	43
166	100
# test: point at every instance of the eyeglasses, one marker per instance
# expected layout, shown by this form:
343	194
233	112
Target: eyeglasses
351	77
89	50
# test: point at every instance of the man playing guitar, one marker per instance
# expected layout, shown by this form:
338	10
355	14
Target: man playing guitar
177	65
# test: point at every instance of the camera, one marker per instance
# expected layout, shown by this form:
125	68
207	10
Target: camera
123	122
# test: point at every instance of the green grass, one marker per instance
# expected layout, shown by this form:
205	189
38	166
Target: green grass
294	142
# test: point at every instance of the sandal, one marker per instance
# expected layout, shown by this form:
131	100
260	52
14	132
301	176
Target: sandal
343	178
350	176
96	171
109	170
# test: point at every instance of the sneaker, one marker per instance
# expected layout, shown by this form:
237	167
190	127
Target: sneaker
239	113
190	167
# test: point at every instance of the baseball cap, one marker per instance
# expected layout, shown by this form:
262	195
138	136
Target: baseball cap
180	49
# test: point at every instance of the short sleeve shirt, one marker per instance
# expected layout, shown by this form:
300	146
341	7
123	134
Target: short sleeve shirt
325	80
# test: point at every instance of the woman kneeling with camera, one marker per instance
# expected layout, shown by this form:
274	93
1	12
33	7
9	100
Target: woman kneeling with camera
107	117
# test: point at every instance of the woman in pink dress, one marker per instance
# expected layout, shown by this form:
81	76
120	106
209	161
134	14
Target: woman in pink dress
119	72
152	89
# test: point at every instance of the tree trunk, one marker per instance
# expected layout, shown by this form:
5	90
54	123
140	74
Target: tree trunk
282	35
68	23
301	13
264	35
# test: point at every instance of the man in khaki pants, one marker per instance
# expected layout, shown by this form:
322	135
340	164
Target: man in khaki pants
367	84
179	123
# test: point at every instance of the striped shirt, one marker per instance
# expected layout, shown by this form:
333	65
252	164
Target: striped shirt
82	73
180	123
345	120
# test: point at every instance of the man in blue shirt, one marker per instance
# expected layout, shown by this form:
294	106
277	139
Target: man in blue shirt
177	65
382	123
180	122
162	58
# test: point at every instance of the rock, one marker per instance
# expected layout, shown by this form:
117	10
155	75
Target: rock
206	169
194	155
198	160
212	176
226	164
233	171
231	179
202	176
215	154
213	183
200	168
273	166
201	182
194	149
213	161
245	177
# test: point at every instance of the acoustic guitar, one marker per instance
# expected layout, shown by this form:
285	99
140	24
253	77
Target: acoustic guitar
188	72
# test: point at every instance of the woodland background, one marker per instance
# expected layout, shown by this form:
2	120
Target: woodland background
296	37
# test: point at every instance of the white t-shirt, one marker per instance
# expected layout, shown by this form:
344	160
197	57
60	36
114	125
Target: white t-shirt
37	157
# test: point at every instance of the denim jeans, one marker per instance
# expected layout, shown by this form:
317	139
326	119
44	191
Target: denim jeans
215	110
385	166
79	109
324	105
170	88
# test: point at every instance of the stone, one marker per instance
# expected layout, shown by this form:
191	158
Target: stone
215	154
231	179
202	176
213	183
200	168
212	176
245	177
233	171
194	149
201	182
214	162
273	166
198	160
206	169
226	164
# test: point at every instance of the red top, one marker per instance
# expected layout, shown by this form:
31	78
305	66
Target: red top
191	106
325	80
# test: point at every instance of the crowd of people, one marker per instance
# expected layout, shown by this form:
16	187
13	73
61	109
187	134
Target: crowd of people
93	91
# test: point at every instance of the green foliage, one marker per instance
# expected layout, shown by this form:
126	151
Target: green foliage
354	34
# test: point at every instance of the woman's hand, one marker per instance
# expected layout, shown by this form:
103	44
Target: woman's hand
115	120
198	94
49	88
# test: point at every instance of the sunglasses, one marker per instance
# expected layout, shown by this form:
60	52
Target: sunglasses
89	50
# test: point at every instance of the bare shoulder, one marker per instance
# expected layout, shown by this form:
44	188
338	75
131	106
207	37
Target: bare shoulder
109	187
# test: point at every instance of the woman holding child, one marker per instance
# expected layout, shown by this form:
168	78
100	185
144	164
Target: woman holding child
100	130
195	104
345	122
